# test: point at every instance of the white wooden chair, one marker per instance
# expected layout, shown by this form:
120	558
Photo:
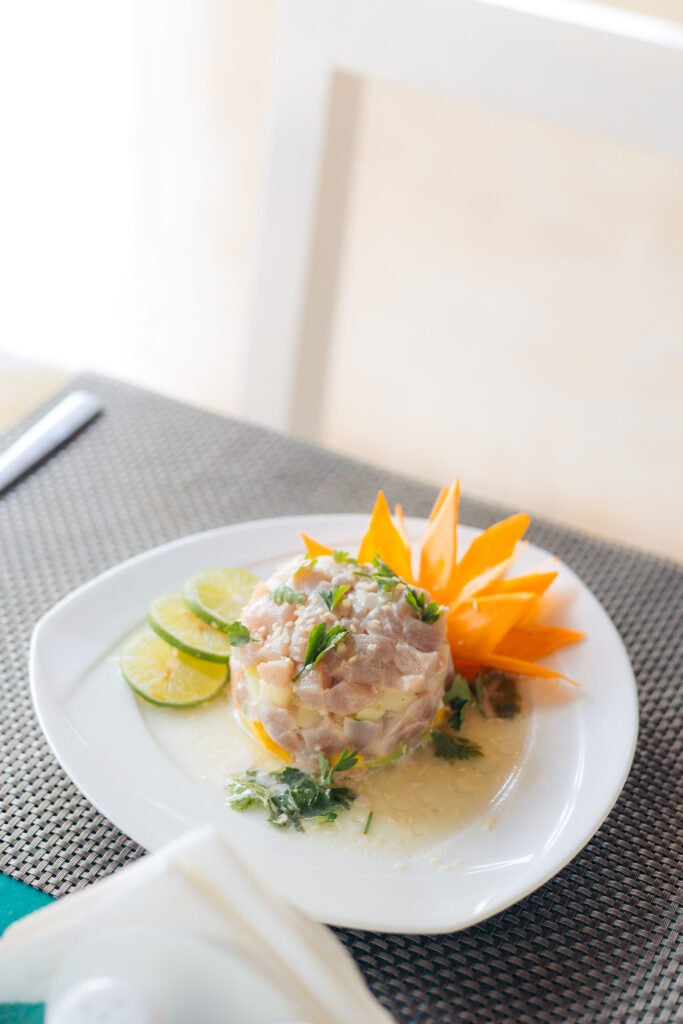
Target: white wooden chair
589	67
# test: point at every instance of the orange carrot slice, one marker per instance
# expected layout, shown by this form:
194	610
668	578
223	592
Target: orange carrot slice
533	642
476	627
525	668
440	545
538	582
440	498
382	539
401	524
479	585
313	547
488	549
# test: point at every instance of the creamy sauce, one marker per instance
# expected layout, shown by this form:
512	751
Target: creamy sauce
417	802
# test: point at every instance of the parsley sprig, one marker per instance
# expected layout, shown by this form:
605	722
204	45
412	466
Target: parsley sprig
284	594
387	580
384	576
458	696
320	641
344	557
455	748
428	611
238	634
290	796
333	596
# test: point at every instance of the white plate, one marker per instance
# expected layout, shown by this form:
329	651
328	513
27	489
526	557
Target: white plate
578	755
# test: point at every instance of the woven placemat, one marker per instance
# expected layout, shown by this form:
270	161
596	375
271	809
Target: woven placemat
601	942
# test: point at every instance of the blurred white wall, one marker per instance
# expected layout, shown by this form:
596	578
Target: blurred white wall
511	297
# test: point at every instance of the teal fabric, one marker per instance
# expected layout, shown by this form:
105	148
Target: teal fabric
17	900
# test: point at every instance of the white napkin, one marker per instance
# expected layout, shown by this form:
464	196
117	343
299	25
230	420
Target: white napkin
195	894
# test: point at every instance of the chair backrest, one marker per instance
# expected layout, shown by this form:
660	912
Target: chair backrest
585	66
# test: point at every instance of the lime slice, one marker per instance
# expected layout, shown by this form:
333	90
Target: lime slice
173	621
218	596
163	675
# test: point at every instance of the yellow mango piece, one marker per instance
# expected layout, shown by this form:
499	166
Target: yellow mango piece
265	741
313	547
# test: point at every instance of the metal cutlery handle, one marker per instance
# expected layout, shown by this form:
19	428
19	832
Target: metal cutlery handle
52	430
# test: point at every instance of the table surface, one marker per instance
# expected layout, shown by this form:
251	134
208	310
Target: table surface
597	943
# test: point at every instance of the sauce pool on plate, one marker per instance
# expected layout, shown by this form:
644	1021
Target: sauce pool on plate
417	802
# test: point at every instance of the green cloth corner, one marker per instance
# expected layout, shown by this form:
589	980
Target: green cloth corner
17	900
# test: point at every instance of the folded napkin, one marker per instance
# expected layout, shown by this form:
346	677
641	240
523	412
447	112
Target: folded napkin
187	933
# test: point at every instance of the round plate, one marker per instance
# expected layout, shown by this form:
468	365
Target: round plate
578	756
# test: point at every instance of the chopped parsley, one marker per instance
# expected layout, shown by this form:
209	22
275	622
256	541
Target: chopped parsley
333	596
290	796
458	696
238	634
383	575
479	694
320	641
427	611
343	557
284	594
455	748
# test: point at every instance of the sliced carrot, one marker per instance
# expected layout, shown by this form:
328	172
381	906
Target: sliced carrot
401	524
480	584
440	498
488	549
532	642
270	744
440	545
314	548
538	582
476	627
382	539
524	668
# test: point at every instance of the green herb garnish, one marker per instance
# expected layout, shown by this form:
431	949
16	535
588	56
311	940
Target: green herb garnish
458	696
455	748
238	634
291	796
383	575
320	641
344	556
284	594
427	611
479	694
368	823
333	596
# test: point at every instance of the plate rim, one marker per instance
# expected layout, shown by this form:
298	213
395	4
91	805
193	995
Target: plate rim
353	519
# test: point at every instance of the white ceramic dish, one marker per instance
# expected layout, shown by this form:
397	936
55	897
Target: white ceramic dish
579	753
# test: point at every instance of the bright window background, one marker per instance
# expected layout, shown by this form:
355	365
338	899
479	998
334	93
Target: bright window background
511	299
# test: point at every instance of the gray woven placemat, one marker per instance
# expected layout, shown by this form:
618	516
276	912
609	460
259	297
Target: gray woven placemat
601	942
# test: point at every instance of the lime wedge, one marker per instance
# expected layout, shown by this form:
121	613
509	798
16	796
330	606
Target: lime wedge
163	675
218	596
175	623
